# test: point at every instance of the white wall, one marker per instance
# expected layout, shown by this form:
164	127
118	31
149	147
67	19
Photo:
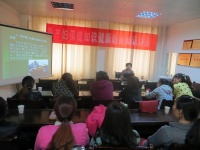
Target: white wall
176	35
8	16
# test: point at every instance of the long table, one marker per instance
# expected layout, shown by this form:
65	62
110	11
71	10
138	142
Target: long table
41	117
145	123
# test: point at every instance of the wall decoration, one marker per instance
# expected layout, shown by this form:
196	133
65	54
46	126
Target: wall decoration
184	59
195	60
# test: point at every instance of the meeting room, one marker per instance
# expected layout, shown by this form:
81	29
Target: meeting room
99	74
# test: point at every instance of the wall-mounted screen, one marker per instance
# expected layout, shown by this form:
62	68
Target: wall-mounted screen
24	52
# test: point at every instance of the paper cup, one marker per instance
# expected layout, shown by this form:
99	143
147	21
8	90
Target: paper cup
167	109
40	89
21	109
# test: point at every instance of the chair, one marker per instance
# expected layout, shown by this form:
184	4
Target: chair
175	146
120	148
116	85
104	102
45	84
10	143
118	74
28	104
164	103
150	85
134	105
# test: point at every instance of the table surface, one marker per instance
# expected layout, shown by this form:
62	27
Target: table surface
41	117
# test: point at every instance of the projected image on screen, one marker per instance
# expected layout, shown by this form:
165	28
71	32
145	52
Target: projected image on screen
38	67
24	52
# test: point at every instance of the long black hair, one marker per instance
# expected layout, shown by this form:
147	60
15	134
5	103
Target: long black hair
190	109
116	128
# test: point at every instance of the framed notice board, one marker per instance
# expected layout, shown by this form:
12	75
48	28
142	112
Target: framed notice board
195	60
184	59
187	44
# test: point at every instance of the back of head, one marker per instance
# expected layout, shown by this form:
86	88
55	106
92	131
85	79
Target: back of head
2	109
184	78
116	127
133	82
65	108
102	75
28	82
166	82
190	109
66	77
63	138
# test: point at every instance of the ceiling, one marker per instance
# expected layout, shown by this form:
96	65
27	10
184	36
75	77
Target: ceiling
121	11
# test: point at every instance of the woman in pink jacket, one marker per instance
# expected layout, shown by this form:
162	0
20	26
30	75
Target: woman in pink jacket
63	134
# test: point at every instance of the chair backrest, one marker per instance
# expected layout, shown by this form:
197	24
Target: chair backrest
120	148
175	146
116	85
134	105
97	102
45	84
118	74
169	103
150	85
28	104
10	143
196	86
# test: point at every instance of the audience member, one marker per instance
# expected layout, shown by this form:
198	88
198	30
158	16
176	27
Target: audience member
116	128
64	134
68	78
7	129
128	71
186	130
10	129
102	88
27	90
60	88
132	91
163	91
182	85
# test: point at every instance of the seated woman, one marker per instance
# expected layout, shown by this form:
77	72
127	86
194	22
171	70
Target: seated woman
60	88
163	91
10	129
68	78
116	128
64	134
27	90
186	110
7	129
132	91
102	88
182	85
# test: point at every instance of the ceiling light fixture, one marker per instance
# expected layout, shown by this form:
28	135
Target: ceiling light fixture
146	14
66	6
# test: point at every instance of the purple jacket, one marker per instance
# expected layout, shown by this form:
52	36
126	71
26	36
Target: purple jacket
102	90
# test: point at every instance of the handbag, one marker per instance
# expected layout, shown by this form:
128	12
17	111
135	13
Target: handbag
149	106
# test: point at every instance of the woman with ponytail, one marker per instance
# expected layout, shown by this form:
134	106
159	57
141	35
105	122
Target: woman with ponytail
185	131
64	134
27	90
182	85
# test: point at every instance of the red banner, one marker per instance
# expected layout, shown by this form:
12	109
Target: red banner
102	37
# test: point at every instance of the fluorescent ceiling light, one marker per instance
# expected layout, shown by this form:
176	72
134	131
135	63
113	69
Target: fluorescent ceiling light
146	14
